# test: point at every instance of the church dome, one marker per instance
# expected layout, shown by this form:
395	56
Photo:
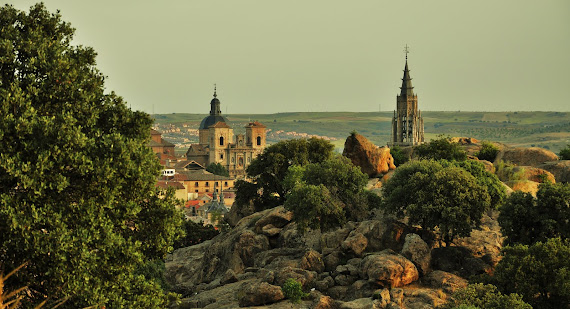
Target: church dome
211	120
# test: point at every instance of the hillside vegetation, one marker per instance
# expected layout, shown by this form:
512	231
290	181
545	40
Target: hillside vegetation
550	130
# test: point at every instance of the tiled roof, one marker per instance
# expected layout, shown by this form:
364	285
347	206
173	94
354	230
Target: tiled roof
166	184
255	124
202	175
154	132
197	150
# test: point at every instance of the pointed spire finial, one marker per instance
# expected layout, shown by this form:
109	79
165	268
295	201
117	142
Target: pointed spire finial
215	95
407	51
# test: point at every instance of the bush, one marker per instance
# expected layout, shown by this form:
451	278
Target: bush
448	199
484	297
293	290
441	148
324	195
217	169
399	156
488	152
565	153
526	220
540	273
195	234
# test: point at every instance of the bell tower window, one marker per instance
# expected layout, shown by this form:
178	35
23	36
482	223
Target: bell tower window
221	141
259	141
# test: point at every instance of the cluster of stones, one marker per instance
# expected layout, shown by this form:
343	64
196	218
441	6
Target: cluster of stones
376	263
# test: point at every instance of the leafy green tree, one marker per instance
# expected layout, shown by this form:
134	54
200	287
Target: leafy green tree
78	201
540	273
324	195
448	199
217	169
399	156
441	148
488	151
484	296
565	153
526	220
484	178
269	169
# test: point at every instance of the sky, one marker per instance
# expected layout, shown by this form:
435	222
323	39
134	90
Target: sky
271	56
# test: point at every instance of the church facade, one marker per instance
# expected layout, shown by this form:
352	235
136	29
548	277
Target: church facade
407	122
218	144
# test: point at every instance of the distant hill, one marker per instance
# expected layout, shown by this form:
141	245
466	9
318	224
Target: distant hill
550	130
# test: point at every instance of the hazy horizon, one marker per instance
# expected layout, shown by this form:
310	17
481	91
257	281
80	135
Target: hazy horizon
327	56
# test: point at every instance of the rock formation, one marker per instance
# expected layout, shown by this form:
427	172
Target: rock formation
375	263
533	156
371	159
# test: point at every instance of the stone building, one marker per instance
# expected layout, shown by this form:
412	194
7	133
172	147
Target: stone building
217	143
407	123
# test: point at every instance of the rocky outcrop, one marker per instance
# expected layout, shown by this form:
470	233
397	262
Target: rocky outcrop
356	266
533	156
371	159
534	174
560	169
258	293
524	186
388	269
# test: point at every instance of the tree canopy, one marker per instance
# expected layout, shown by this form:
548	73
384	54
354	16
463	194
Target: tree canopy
78	201
326	194
540	273
526	220
448	199
269	169
217	169
484	296
441	148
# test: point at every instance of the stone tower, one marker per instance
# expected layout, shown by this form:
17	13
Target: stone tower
407	123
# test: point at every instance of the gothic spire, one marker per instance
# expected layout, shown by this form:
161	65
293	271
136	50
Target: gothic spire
407	89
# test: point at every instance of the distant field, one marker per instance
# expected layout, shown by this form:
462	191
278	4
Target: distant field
549	130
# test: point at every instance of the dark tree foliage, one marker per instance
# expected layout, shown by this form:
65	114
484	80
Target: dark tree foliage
488	152
490	181
269	169
399	156
484	296
217	169
540	273
441	148
78	201
195	234
565	153
324	195
526	220
448	199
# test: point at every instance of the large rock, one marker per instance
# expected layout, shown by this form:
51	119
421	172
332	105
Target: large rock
313	261
524	186
356	243
417	251
371	159
533	156
560	169
389	269
534	174
259	293
278	217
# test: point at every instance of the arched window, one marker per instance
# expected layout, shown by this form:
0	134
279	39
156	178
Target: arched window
221	141
259	141
240	161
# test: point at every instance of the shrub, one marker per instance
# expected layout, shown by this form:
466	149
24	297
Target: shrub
293	290
448	199
488	152
485	297
526	220
540	273
565	153
441	148
399	156
217	169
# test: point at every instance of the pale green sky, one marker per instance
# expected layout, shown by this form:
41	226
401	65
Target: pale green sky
327	55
